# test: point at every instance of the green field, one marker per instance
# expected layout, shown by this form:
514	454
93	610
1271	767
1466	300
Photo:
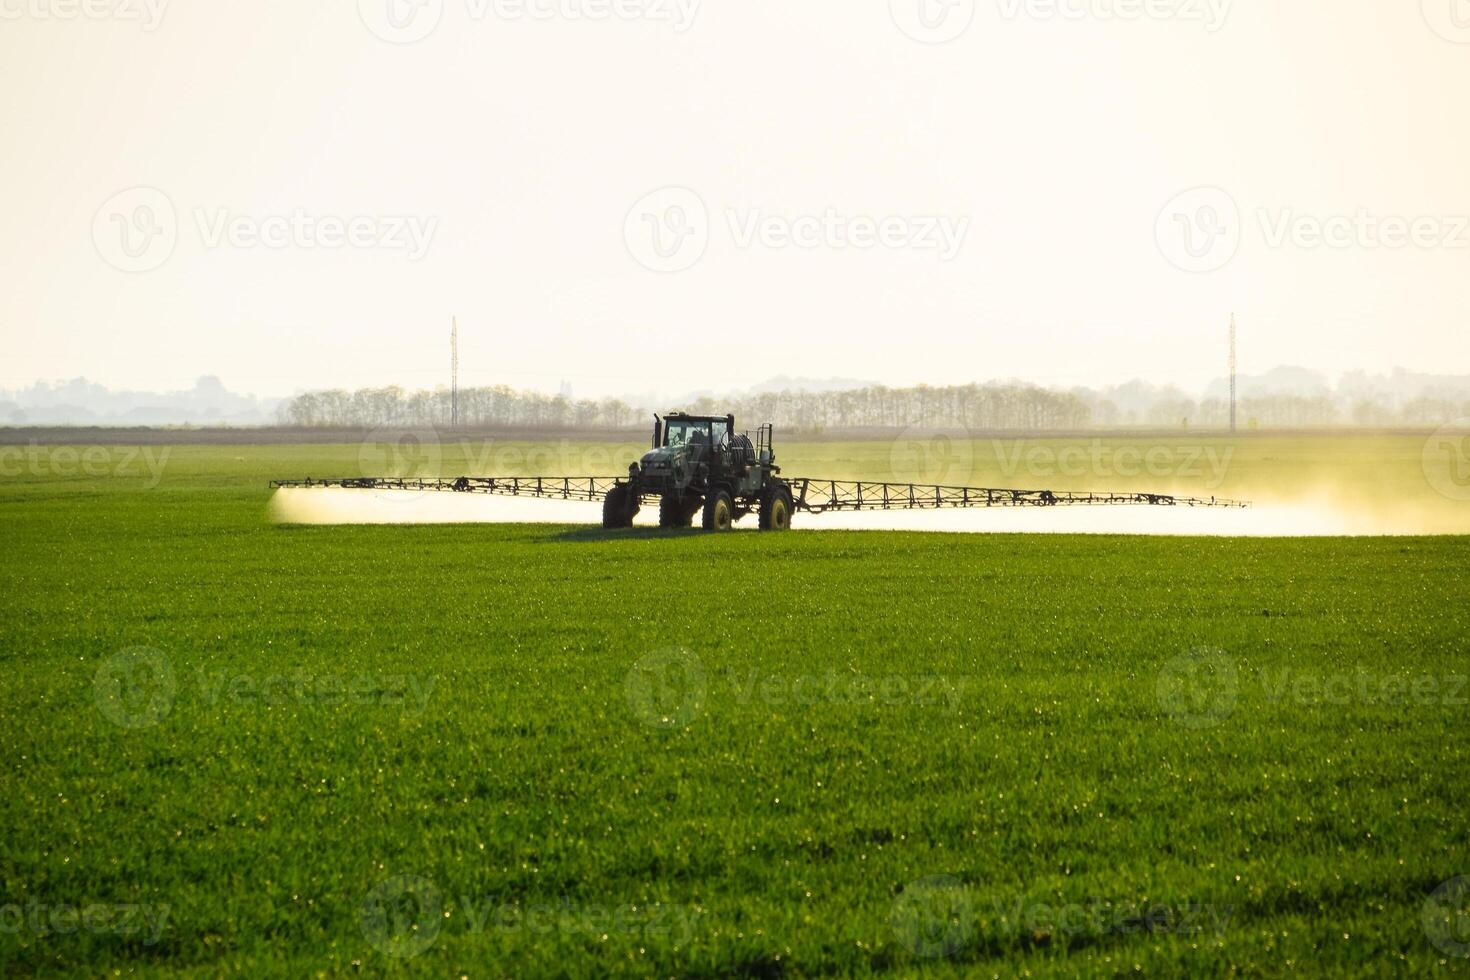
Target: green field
531	750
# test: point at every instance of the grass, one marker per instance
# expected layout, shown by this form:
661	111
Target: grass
541	750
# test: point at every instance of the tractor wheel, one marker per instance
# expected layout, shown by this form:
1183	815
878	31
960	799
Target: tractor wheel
776	510
674	513
616	512
719	511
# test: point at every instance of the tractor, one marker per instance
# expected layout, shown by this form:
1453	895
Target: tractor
700	465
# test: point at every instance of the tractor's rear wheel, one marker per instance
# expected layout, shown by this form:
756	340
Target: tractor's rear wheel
719	512
674	513
776	509
617	509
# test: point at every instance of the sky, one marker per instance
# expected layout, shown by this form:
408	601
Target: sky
669	195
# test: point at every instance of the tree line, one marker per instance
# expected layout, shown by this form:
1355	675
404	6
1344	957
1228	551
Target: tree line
997	406
976	407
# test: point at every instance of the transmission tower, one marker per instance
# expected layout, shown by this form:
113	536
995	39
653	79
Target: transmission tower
454	373
1233	369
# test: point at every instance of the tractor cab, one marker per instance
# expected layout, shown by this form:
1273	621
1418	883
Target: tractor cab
704	434
707	442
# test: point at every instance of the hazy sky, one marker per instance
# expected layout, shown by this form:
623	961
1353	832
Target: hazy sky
658	195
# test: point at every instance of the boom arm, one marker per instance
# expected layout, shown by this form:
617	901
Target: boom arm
813	496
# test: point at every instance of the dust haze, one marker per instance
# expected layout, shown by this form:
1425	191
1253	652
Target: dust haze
1321	512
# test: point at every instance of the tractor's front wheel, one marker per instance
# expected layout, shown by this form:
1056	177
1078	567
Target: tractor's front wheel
719	512
675	513
776	510
617	509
